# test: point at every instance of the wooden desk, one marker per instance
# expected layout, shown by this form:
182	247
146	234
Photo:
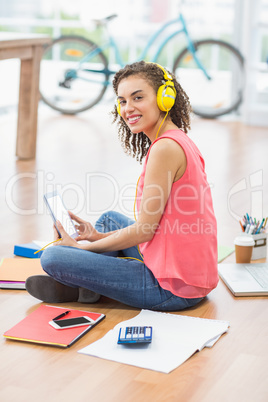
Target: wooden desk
27	48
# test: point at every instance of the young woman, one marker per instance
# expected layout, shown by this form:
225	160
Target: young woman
170	250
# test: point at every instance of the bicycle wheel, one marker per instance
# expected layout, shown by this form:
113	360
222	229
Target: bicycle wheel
73	74
222	91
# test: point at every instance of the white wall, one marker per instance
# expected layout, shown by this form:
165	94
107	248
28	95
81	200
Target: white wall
250	13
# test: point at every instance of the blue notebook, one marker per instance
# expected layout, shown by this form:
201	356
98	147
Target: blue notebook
27	250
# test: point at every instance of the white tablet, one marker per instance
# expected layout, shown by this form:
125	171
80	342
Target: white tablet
58	212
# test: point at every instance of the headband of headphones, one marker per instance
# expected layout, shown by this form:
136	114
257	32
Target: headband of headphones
167	76
166	93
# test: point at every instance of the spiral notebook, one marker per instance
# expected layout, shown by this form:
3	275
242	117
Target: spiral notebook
175	339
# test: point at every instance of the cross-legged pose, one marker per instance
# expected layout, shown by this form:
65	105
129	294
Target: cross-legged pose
170	249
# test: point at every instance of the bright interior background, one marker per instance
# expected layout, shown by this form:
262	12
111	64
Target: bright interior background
241	22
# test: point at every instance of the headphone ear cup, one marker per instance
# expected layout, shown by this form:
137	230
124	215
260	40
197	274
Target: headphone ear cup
165	97
118	108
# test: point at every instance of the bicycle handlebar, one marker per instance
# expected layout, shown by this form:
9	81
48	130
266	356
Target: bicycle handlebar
104	21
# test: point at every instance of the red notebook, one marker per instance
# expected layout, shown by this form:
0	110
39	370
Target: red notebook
36	328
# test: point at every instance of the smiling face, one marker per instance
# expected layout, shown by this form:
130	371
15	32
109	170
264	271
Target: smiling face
138	105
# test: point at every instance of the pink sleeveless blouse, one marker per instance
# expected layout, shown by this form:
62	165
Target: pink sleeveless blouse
182	255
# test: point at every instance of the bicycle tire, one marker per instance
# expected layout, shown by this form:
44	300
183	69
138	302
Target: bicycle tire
66	89
225	65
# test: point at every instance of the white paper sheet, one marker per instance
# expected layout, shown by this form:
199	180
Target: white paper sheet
175	339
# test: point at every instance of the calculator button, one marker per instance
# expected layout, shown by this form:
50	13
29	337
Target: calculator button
148	332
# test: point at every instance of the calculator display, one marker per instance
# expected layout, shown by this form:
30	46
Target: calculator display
135	335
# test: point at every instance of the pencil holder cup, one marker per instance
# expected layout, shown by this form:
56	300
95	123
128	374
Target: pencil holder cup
260	247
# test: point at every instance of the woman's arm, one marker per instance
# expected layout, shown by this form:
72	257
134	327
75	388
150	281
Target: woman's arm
166	161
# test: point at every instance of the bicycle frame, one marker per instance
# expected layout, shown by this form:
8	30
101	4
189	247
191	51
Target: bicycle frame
111	43
164	42
184	30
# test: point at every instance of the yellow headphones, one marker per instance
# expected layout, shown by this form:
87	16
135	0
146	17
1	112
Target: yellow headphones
166	93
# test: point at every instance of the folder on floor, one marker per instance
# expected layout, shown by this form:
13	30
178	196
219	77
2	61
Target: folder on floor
15	271
36	328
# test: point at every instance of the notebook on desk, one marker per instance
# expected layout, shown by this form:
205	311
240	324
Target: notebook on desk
245	279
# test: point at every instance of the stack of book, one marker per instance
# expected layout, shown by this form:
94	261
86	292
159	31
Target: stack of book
15	271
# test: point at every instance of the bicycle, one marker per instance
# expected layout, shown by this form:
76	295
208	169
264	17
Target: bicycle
75	71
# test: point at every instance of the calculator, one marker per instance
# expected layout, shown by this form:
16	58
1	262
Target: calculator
135	335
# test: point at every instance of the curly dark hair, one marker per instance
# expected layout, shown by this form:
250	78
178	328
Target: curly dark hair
137	145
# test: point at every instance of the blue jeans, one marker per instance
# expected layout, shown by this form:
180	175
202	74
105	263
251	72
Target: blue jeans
127	281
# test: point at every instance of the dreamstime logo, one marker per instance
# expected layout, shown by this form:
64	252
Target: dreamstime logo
255	199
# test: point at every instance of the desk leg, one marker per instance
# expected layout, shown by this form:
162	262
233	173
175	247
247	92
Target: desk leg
28	105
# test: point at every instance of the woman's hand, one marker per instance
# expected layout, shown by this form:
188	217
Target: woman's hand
85	229
65	239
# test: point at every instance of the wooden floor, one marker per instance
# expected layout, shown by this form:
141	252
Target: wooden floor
82	157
